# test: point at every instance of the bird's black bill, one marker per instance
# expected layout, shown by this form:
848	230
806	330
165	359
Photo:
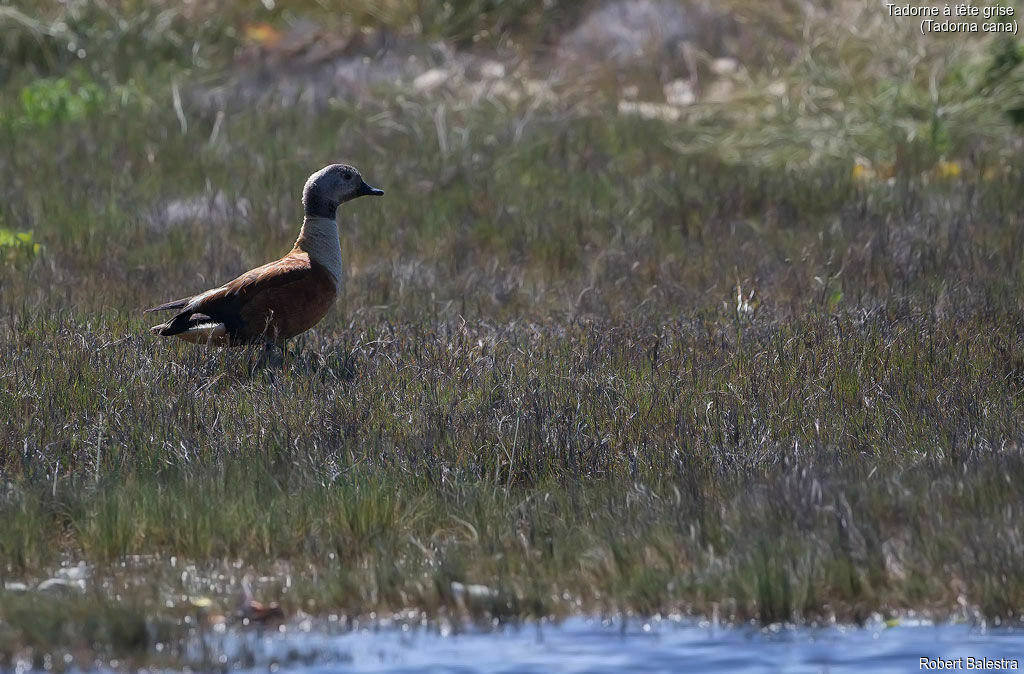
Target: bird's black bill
366	190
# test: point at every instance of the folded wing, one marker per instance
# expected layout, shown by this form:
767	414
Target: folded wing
267	302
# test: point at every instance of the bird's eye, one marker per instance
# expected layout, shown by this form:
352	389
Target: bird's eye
347	175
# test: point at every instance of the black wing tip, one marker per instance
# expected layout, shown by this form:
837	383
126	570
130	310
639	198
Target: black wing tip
171	328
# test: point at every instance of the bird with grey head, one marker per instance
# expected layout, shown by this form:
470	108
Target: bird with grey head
280	299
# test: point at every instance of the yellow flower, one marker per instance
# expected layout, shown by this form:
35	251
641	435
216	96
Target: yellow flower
947	169
862	170
263	33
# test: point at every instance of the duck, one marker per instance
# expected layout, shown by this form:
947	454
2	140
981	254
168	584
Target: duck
279	300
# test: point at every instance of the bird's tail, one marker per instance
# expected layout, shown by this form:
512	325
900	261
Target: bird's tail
167	306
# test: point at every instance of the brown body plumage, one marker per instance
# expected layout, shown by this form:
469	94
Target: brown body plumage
280	299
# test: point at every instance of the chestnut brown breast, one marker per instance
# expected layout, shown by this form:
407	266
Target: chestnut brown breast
288	309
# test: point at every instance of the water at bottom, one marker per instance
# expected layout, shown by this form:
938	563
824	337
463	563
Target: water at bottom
585	645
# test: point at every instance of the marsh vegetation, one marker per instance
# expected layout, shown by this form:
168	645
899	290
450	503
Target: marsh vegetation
761	357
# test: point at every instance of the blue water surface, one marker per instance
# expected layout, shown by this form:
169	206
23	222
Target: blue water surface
591	645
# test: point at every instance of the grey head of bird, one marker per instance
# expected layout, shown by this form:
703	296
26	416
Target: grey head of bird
332	186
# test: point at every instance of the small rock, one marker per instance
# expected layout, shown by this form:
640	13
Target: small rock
473	598
78	572
258	612
649	110
61	586
473	591
492	70
206	208
626	31
720	91
777	89
503	89
679	92
724	66
539	89
430	80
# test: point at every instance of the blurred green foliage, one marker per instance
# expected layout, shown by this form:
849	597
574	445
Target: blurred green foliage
1006	55
17	248
123	37
51	101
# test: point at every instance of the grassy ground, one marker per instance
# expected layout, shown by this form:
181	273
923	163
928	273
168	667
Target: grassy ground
593	362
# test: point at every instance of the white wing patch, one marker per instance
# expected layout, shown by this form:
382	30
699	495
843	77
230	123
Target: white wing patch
204	333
